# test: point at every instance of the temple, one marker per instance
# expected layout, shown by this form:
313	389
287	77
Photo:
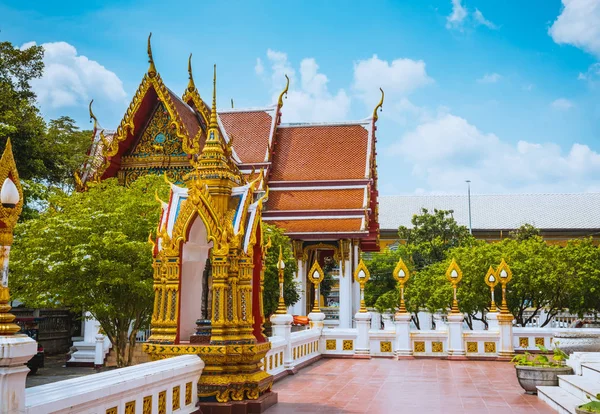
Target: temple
318	180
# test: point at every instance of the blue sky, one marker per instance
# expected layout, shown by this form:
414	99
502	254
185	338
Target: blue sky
495	92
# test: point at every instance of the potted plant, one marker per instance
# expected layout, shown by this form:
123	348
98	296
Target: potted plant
535	370
590	407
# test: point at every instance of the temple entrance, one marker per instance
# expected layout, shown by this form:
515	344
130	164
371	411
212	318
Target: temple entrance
194	293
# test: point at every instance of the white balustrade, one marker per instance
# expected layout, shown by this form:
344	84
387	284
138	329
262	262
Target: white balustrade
429	343
168	386
273	361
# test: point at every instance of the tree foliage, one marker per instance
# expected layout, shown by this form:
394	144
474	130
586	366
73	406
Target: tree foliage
89	251
271	282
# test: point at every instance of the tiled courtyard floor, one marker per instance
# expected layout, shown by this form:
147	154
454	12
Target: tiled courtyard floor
423	386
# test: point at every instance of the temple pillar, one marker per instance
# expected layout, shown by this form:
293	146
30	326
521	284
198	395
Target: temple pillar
15	351
492	319
456	344
355	290
346	295
363	324
244	299
165	315
505	345
299	307
282	327
403	348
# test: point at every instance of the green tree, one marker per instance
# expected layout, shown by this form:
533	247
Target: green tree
271	282
525	232
89	251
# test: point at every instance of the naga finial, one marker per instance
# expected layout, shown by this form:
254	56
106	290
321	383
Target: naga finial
191	85
379	106
166	178
92	116
284	92
157	198
152	68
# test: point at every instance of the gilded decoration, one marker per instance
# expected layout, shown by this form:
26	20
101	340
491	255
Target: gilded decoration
162	402
130	407
385	346
330	344
188	393
524	342
176	397
472	347
419	346
112	410
489	347
539	341
348	345
158	137
437	346
147	408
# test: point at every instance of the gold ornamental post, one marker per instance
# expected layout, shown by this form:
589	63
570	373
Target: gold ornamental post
11	205
491	279
505	275
362	276
401	274
316	276
454	276
281	309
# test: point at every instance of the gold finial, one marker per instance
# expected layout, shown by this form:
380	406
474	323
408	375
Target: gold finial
379	106
191	85
316	276
166	178
157	198
213	112
152	68
151	241
92	116
284	92
281	308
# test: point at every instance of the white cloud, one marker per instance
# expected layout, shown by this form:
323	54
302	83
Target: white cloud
528	87
562	104
398	78
70	79
259	68
579	25
457	17
446	150
309	99
479	19
490	78
592	75
461	17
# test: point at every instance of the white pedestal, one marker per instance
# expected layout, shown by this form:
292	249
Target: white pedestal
345	304
492	319
85	355
456	344
99	351
363	324
440	325
281	325
403	348
316	320
505	346
15	351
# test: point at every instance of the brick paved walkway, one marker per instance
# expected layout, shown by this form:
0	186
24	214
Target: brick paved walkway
423	386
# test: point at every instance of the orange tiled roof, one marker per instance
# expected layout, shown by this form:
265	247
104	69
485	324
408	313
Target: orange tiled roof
320	152
187	114
329	225
251	131
325	199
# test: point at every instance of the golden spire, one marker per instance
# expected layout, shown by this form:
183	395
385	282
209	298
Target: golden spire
191	85
92	116
379	106
284	92
152	68
213	113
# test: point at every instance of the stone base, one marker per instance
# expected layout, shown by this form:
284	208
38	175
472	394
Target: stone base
199	339
257	406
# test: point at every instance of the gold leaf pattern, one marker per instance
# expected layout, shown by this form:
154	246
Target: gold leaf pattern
385	346
347	344
419	346
472	347
331	344
489	347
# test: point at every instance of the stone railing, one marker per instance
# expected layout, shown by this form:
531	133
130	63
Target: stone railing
273	360
164	386
305	345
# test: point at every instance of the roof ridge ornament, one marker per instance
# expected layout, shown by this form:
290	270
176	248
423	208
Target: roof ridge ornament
379	106
191	84
92	116
152	68
284	92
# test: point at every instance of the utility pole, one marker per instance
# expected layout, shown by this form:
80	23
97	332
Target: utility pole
469	195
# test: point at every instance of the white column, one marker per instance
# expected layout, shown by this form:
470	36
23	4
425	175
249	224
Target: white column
99	351
355	285
403	348
363	324
300	307
282	327
505	348
346	301
456	344
15	351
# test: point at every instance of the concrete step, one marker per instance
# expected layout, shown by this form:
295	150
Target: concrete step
591	370
559	399
581	387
